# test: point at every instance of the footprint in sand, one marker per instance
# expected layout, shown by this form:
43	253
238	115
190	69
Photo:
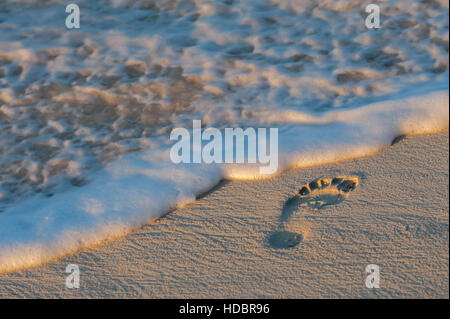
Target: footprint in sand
313	197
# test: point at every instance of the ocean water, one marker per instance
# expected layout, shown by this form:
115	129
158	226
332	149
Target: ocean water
85	114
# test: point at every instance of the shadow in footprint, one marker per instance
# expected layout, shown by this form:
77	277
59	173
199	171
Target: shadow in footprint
290	207
313	196
284	239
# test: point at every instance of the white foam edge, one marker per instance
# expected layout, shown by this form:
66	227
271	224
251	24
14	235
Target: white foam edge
141	187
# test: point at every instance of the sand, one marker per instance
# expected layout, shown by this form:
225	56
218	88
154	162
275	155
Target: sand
218	247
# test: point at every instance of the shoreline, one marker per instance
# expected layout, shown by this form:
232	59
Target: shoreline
173	256
136	189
